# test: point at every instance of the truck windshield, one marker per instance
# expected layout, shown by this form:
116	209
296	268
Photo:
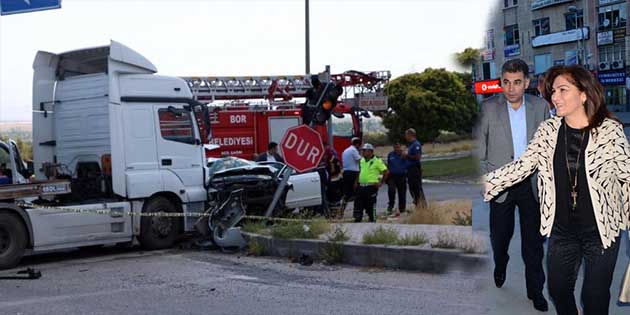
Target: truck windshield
343	127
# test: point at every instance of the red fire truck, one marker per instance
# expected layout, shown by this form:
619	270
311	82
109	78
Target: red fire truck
242	127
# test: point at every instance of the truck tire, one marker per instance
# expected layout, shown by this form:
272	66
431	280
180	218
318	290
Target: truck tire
13	239
159	232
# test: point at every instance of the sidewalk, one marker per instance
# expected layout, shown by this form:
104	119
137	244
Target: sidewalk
512	297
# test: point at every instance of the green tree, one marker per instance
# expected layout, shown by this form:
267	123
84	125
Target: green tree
468	57
433	100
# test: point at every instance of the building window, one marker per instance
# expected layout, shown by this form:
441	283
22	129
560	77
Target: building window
569	19
541	26
176	125
610	53
542	63
512	35
612	16
510	3
490	39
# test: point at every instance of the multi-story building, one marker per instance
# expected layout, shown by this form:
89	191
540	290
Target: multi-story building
562	32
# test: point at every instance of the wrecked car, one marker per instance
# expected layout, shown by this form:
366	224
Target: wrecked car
259	182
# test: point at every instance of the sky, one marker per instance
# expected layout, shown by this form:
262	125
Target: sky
243	37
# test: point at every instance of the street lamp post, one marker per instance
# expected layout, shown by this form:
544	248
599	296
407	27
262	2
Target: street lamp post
308	42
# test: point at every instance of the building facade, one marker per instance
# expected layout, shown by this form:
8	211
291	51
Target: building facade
545	33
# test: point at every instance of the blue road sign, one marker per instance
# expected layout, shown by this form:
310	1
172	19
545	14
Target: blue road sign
23	6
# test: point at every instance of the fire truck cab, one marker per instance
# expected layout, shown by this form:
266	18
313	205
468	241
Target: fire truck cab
244	131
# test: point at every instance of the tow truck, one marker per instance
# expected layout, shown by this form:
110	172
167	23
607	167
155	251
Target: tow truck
118	157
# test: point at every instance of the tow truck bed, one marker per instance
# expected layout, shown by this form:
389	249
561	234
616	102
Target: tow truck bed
47	188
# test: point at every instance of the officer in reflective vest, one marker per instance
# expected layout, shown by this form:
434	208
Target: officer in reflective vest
372	175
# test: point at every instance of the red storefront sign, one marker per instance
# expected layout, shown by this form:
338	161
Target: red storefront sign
488	87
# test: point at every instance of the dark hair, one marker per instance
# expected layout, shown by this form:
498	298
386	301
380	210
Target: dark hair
272	145
595	105
514	66
356	141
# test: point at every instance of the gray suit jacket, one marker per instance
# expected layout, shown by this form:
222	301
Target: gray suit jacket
494	134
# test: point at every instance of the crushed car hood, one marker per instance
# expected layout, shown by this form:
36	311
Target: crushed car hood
247	170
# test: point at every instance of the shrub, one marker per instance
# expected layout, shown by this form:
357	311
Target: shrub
256	248
339	234
412	239
445	240
381	235
332	253
254	227
300	230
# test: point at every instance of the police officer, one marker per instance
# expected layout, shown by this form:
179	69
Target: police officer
370	169
397	180
414	169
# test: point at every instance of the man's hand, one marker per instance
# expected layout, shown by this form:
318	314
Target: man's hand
486	188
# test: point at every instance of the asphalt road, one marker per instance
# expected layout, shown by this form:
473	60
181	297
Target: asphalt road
114	281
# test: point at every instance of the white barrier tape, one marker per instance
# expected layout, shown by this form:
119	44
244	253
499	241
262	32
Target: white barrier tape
155	214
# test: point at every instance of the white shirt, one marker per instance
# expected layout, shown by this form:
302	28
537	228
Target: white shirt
350	159
270	157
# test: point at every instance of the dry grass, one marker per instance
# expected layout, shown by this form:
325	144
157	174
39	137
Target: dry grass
441	212
433	148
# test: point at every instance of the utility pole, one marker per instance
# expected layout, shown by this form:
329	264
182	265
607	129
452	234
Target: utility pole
308	44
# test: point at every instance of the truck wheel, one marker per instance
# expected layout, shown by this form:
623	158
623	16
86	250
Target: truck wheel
159	232
12	240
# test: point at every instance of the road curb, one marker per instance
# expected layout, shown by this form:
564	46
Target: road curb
434	260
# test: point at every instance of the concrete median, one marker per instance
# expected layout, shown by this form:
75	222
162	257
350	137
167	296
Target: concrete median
416	258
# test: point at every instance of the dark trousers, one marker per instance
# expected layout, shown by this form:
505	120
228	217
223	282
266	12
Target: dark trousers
397	183
323	180
366	199
349	178
567	248
502	229
414	179
333	191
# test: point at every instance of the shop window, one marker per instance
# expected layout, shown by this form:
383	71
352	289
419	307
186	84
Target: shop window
542	63
616	98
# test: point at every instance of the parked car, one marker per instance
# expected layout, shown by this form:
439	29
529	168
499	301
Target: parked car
259	181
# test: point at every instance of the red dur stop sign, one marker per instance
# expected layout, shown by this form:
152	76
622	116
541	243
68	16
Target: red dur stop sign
302	148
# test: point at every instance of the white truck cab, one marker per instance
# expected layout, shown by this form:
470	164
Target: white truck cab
128	140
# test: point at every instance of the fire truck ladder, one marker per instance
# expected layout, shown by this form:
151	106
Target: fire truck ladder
210	89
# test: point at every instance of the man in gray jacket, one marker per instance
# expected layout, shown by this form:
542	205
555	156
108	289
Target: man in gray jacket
508	122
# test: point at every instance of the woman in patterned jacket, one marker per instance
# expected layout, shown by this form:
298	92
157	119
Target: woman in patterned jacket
583	161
